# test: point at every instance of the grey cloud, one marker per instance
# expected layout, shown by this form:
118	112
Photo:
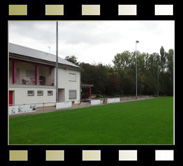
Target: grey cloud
84	38
39	31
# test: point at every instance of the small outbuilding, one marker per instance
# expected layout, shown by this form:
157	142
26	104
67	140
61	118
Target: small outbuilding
88	86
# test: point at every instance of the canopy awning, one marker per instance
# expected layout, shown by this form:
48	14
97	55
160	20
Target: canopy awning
86	85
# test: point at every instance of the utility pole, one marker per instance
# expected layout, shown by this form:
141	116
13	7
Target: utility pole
136	66
57	61
158	79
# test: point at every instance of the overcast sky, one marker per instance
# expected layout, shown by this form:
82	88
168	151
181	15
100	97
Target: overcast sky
93	41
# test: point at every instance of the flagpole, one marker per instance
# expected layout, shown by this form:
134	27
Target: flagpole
57	61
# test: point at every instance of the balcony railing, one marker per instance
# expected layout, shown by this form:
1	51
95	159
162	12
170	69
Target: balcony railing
32	81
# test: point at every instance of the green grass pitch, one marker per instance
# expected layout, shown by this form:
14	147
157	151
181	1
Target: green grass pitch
139	122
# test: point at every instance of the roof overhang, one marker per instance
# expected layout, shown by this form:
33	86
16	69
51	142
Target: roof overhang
41	61
86	85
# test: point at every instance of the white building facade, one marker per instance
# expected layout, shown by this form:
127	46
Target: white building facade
32	78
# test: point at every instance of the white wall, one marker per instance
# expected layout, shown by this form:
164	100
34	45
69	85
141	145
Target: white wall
21	109
67	104
113	100
95	102
64	83
21	97
61	95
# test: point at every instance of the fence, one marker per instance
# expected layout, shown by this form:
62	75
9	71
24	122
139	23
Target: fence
32	81
33	108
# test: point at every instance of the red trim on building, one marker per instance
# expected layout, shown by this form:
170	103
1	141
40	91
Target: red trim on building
14	74
29	62
89	86
10	97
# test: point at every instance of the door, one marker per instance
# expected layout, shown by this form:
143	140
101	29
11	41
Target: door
10	97
61	95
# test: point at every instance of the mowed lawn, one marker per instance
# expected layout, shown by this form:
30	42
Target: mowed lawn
139	122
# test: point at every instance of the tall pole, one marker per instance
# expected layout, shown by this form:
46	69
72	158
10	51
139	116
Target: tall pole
57	61
136	65
158	79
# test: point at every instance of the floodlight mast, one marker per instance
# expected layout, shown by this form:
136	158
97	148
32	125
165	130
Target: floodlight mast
57	61
136	67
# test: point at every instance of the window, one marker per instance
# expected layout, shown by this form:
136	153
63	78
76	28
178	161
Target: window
72	77
30	93
40	93
72	94
50	93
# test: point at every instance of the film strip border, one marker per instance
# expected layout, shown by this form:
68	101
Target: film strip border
90	10
28	154
89	155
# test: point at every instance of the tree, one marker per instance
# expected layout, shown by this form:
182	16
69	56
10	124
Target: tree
124	64
155	74
114	84
122	61
96	75
163	58
169	72
72	59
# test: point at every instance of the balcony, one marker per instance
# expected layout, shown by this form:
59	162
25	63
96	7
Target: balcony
24	73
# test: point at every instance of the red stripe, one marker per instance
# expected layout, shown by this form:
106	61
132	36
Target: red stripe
14	72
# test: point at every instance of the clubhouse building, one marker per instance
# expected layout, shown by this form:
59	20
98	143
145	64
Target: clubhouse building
32	77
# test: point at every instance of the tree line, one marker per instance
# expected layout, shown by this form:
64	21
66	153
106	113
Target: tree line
155	74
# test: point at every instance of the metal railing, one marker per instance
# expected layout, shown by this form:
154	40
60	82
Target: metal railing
31	81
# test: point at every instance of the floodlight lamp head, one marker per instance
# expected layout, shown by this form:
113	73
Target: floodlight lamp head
137	41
